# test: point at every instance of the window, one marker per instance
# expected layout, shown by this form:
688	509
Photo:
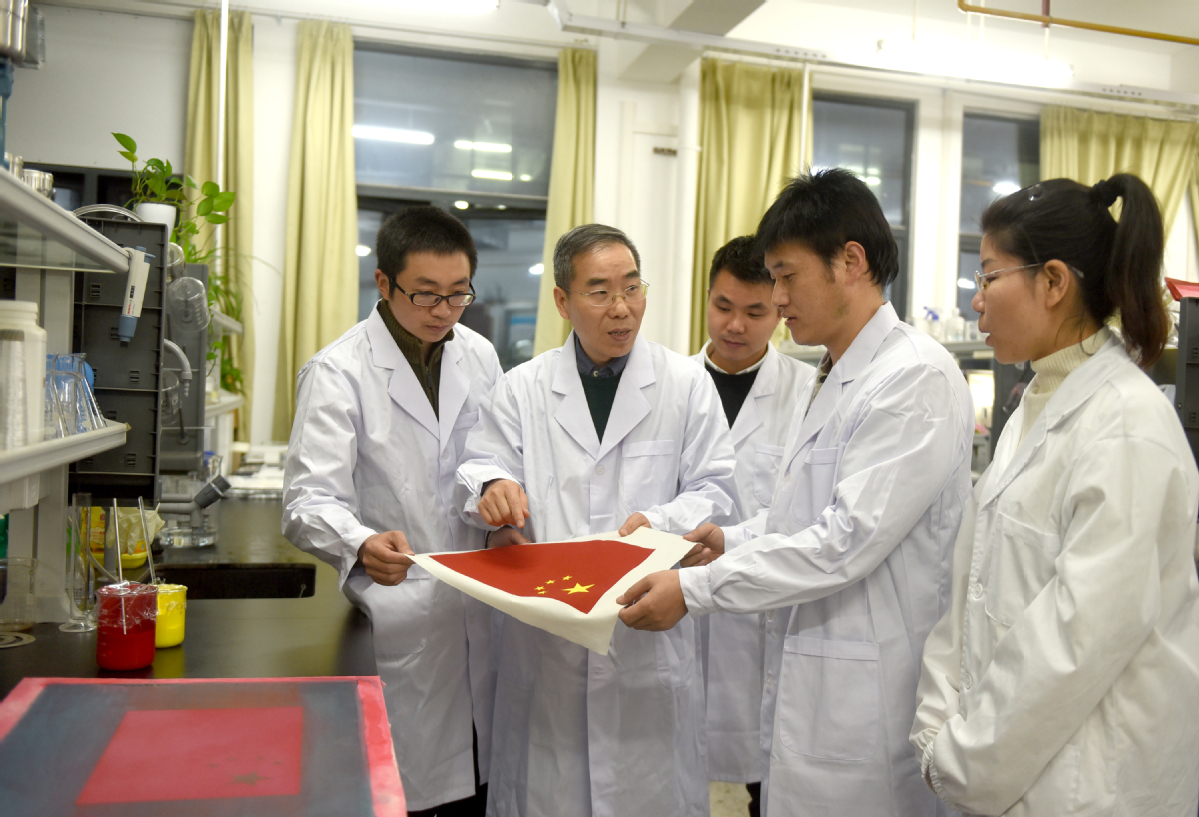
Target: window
472	135
873	138
999	156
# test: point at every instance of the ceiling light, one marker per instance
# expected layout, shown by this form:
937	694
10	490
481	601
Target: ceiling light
965	283
485	147
442	6
536	269
873	181
362	250
498	175
501	207
966	60
462	205
378	134
525	177
1005	188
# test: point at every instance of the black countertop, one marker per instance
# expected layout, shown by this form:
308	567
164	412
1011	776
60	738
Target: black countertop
319	635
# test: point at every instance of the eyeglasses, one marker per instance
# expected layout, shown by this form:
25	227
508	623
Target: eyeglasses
431	299
983	279
602	297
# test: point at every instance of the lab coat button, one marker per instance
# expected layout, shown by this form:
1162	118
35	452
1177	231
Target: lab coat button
599	470
976	591
770	615
967	681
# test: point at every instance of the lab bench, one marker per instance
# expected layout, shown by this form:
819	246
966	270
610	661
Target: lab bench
316	634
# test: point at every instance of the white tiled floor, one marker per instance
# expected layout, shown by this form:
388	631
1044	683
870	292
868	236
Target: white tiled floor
729	799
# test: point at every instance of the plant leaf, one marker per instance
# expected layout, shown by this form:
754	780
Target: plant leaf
156	186
126	142
204	208
223	201
130	157
216	219
156	164
190	182
210	188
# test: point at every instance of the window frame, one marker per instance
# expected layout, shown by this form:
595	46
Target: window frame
900	287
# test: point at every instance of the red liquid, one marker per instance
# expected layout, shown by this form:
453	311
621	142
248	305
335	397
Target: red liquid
125	626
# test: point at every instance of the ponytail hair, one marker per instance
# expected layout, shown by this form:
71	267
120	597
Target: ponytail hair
1120	262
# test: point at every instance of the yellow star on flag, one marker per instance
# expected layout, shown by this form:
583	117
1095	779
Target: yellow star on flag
549	581
541	589
566	578
578	588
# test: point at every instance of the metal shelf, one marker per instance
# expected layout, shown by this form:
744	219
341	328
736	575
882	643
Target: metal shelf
36	233
18	463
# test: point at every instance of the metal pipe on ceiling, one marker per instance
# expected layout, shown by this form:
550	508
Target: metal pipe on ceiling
1048	20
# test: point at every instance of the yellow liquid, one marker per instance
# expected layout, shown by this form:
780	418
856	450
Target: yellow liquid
172	611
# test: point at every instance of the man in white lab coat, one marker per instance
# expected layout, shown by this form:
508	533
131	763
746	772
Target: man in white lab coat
607	432
760	390
852	558
381	417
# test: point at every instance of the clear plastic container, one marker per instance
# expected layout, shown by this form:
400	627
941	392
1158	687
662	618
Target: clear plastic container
21	316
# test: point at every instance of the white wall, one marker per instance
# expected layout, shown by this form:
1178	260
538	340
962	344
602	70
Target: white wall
103	73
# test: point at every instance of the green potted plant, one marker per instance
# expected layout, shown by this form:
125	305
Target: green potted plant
162	196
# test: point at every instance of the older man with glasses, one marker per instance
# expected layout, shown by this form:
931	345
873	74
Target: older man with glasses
608	431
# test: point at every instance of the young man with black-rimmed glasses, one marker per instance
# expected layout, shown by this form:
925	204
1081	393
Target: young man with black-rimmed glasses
381	417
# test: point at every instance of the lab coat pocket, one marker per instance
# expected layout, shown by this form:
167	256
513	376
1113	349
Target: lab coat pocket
400	615
768	460
1022	563
828	701
649	474
675	651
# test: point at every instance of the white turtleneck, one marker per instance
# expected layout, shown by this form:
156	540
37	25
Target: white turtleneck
1052	370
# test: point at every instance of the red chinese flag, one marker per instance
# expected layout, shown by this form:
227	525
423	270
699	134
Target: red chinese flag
577	573
199	754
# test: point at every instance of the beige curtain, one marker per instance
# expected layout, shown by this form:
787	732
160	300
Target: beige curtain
320	275
1088	146
572	180
232	268
749	136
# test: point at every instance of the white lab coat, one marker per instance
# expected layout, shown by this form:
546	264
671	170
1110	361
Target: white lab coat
578	734
858	538
734	640
368	455
1065	677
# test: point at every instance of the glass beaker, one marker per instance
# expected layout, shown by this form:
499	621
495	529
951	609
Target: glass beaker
80	410
126	615
17	609
79	581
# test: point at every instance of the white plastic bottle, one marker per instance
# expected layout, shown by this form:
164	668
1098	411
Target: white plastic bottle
22	316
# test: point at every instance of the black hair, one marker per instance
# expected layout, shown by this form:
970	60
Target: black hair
1120	262
421	229
574	243
740	259
826	209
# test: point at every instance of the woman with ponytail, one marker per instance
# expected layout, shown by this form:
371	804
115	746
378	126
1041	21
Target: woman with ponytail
1064	678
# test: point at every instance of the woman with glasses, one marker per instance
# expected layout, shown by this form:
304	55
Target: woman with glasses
1065	677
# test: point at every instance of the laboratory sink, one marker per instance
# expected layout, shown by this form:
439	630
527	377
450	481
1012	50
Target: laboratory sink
255	580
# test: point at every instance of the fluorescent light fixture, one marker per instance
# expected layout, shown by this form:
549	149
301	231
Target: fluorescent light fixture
873	181
1005	188
440	6
362	250
525	177
965	283
497	175
462	205
967	60
485	147
501	207
378	134
537	269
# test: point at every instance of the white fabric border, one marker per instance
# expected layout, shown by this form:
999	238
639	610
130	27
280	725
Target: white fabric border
592	630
